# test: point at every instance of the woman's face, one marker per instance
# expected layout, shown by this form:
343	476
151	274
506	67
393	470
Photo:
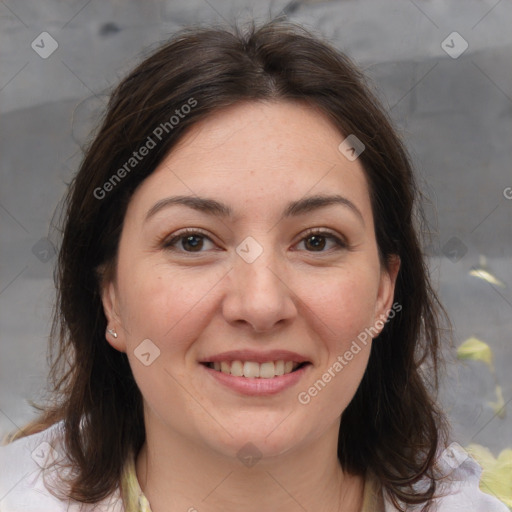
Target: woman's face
265	278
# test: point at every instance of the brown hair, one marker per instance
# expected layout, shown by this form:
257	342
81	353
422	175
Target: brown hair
393	425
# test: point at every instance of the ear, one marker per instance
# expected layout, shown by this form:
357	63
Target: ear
109	298
386	291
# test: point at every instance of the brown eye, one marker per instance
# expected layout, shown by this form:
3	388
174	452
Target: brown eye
187	241
193	241
316	241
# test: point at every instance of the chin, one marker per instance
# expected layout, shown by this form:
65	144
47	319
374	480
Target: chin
253	442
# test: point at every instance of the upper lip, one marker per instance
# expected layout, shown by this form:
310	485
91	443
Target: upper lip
257	357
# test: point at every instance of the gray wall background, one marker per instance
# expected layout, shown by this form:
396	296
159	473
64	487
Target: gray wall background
454	113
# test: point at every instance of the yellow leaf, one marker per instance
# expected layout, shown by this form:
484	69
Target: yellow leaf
476	350
486	276
496	473
498	406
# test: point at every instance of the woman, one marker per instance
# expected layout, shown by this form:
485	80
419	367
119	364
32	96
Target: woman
245	318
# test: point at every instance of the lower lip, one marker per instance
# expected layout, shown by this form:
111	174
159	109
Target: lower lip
258	386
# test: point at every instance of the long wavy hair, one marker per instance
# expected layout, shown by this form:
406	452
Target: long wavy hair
392	426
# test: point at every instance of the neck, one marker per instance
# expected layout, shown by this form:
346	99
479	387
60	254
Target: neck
181	475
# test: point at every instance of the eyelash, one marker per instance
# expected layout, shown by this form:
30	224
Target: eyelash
340	243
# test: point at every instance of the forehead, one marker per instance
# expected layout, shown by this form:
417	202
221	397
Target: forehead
256	152
272	133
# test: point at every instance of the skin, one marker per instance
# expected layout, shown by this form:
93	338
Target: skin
255	157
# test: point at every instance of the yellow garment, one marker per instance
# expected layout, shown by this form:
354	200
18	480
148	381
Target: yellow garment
133	497
135	501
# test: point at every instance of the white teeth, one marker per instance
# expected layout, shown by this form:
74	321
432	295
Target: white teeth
252	370
267	370
237	368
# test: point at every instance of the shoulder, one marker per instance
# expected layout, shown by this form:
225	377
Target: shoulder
27	465
458	488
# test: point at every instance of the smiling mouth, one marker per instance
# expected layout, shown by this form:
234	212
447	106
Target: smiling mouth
254	370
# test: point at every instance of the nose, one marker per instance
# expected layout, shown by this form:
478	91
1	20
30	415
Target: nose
258	293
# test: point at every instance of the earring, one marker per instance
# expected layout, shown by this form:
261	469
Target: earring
113	332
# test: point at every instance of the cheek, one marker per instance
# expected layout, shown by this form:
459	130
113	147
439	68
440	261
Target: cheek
344	304
163	304
343	309
330	391
171	308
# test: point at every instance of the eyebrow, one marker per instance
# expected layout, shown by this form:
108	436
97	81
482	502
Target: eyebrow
216	208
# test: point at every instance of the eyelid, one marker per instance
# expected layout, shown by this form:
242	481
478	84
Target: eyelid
169	240
327	233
